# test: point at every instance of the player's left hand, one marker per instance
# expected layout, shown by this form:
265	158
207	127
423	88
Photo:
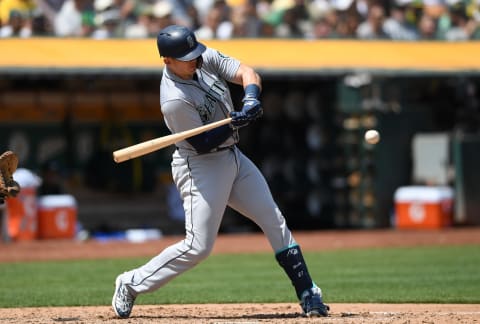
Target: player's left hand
252	108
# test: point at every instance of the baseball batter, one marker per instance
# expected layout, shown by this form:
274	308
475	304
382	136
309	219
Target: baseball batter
210	171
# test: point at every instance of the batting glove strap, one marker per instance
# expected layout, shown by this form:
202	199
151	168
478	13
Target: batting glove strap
252	91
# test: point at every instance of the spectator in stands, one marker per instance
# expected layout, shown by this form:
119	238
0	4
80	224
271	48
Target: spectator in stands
108	20
461	27
252	22
162	16
224	8
267	30
244	23
181	12
41	26
151	19
47	9
322	29
194	15
374	26
345	23
434	8
127	10
397	26
23	7
141	28
16	18
263	8
209	28
427	27
271	12
295	22
334	18
17	26
75	19
205	6
361	7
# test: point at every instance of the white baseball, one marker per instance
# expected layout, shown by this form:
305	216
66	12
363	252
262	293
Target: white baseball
372	136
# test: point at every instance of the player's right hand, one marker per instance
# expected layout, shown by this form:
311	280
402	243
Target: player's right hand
239	119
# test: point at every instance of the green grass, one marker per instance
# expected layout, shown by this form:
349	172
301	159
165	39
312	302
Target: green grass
394	275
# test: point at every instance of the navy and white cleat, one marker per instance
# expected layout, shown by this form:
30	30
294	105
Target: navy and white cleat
312	303
123	299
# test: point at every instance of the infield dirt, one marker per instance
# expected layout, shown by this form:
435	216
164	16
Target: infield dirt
244	313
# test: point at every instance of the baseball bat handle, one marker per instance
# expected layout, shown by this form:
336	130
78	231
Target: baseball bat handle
158	143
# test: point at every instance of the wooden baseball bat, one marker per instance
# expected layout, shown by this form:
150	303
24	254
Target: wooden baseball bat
158	143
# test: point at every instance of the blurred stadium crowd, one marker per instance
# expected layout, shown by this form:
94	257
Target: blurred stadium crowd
449	20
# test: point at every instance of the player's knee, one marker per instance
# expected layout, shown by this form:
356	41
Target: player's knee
198	254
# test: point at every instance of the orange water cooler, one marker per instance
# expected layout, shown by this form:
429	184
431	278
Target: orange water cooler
21	214
423	207
57	217
21	211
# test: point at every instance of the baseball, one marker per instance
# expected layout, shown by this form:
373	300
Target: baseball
372	136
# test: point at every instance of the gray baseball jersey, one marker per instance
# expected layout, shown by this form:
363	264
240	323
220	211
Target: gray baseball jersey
210	182
187	104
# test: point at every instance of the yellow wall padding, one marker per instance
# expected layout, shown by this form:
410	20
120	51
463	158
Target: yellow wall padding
268	54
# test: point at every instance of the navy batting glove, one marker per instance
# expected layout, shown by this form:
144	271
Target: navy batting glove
239	119
252	108
251	105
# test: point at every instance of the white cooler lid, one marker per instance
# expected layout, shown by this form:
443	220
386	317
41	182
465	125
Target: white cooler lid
423	193
52	201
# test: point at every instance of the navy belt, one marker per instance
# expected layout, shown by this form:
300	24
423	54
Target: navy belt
216	149
223	148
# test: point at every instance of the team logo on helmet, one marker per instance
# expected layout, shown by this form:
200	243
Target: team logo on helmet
190	41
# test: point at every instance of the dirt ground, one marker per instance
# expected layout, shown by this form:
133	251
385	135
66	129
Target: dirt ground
244	313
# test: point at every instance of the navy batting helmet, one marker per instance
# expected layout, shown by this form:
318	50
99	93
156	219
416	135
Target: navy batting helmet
179	42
